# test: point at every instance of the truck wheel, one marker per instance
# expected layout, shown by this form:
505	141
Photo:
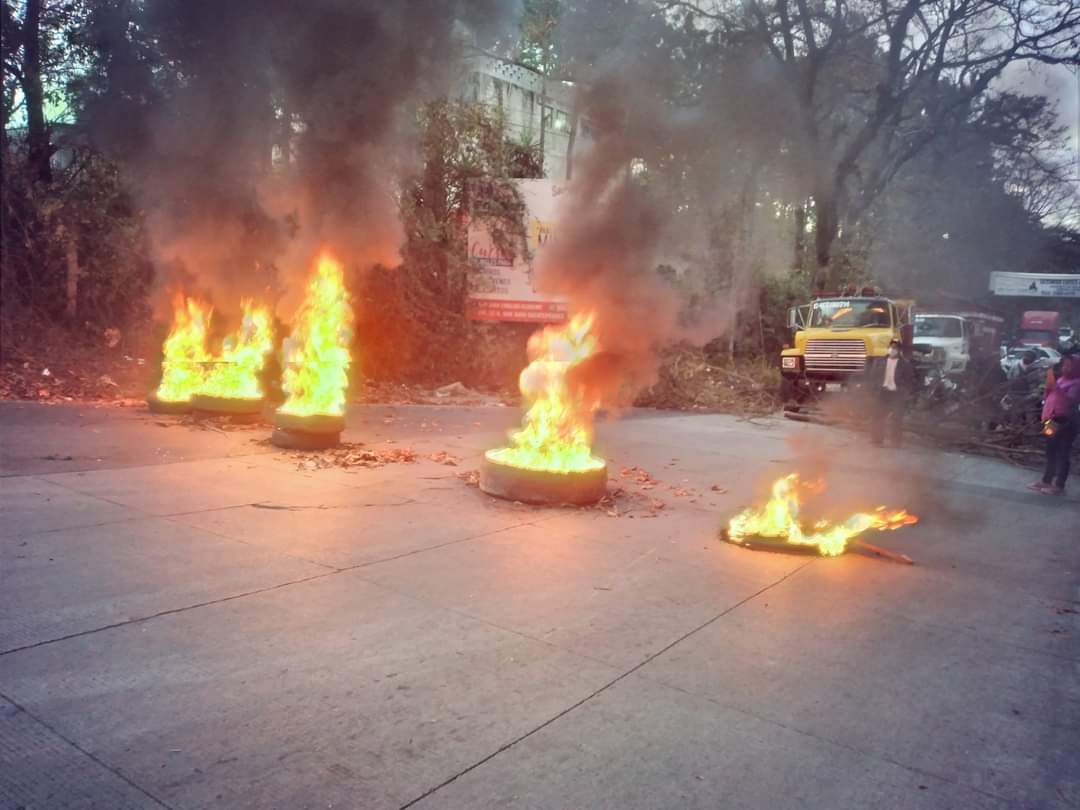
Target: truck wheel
789	392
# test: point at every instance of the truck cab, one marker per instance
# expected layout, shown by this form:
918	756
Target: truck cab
837	339
957	342
948	337
1039	328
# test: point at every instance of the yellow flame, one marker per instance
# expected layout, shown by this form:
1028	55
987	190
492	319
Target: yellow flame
235	373
557	431
317	353
184	352
779	518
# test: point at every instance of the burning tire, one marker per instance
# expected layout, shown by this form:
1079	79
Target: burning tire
296	440
238	410
579	487
777	544
166	406
314	432
315	423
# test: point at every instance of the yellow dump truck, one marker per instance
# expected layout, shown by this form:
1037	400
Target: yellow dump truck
837	339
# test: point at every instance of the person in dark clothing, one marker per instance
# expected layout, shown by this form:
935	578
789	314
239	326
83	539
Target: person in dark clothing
1026	375
1061	413
891	383
1024	402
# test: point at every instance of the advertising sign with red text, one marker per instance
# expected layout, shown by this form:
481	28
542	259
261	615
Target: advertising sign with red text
502	287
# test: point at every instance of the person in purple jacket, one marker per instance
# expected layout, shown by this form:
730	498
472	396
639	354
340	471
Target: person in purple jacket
1061	413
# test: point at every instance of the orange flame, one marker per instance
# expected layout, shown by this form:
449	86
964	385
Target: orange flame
184	352
317	353
557	431
235	373
779	518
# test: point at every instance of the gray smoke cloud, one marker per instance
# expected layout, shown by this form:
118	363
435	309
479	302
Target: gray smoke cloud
618	222
330	85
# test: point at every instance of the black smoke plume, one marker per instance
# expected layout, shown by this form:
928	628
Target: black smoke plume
201	97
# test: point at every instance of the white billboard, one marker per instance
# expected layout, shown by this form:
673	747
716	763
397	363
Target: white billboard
1035	285
502	287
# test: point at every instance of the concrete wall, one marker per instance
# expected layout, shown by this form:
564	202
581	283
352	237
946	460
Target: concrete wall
527	101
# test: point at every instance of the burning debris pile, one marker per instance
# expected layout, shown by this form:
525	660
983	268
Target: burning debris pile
550	459
777	524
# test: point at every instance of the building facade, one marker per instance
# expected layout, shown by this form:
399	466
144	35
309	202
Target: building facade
537	110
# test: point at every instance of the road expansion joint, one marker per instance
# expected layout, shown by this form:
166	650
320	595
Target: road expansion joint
97	760
507	746
169	612
330	571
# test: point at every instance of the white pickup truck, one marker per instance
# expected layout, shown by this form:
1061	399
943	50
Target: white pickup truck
954	339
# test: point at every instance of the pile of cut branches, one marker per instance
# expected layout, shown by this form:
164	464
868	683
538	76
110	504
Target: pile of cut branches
1021	444
689	382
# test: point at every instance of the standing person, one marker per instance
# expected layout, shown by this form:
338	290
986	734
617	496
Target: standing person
1022	372
891	383
1061	413
1025	391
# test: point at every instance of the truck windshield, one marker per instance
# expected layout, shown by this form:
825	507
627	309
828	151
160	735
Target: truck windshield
938	327
849	314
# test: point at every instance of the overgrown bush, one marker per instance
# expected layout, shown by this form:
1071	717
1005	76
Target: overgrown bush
411	320
778	294
74	251
408	333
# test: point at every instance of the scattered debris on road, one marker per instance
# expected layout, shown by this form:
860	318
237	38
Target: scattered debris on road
470	477
442	457
348	455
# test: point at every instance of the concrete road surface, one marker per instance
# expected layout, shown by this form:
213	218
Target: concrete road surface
191	619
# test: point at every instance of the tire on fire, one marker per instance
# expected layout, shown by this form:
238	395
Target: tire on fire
165	406
314	432
776	544
226	406
579	487
237	410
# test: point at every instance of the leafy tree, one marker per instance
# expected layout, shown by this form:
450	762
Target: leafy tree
539	45
873	86
73	247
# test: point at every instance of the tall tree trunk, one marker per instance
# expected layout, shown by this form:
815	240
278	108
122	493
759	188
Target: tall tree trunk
800	238
825	231
742	258
37	135
71	254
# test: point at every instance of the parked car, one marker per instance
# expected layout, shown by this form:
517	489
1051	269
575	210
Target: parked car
1045	358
